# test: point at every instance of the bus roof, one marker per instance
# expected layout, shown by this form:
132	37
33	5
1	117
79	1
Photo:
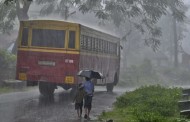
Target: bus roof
61	23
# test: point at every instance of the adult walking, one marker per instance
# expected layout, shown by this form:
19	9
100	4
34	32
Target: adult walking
89	89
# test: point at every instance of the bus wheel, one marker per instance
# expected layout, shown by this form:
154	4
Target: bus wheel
109	87
115	81
46	89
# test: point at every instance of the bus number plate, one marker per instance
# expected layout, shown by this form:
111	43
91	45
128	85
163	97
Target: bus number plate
69	79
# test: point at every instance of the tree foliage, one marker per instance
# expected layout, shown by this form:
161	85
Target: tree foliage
10	10
61	7
7	18
143	14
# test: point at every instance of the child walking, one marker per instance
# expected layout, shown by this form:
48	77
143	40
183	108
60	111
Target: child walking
78	99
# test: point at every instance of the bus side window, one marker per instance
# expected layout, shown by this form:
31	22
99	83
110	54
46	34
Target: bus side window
82	42
93	44
89	43
108	47
99	45
86	42
115	49
24	41
71	39
96	45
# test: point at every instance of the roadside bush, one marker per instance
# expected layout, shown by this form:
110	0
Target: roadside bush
7	65
147	104
7	59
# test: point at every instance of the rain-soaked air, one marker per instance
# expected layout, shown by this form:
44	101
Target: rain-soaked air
94	61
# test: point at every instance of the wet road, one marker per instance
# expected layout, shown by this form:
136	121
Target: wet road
30	106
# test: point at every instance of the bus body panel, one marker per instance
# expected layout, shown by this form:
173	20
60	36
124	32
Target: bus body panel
97	59
105	64
49	67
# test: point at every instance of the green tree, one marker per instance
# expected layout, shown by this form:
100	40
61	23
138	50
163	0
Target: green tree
7	65
12	9
143	14
61	7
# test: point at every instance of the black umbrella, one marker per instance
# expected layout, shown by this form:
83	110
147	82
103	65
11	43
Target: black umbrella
90	74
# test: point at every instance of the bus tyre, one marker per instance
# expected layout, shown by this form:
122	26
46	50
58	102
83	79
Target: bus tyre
46	89
109	87
115	81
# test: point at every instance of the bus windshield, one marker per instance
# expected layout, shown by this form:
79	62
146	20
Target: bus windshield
48	38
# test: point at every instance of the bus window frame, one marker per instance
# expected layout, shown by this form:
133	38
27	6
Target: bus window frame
68	39
21	35
49	28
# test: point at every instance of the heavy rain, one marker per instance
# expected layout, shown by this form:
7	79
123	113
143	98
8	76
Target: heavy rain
94	61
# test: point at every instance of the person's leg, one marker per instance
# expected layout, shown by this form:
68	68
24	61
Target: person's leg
77	107
81	109
78	112
88	112
85	106
89	106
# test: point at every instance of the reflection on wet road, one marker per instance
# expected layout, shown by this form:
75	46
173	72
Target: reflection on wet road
58	108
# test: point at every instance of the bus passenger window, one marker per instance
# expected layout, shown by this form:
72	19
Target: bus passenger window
115	49
82	42
93	44
96	45
24	41
71	39
89	43
108	50
105	46
111	48
86	42
99	45
48	38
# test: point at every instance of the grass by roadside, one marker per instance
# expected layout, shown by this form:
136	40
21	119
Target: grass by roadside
147	104
4	90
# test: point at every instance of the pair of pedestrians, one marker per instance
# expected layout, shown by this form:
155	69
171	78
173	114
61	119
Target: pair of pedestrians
85	92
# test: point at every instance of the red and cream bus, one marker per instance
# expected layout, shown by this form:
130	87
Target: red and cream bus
50	53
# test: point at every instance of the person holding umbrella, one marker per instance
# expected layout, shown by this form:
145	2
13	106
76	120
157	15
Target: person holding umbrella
89	89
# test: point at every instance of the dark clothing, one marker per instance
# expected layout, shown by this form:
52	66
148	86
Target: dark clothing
79	96
88	102
78	105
